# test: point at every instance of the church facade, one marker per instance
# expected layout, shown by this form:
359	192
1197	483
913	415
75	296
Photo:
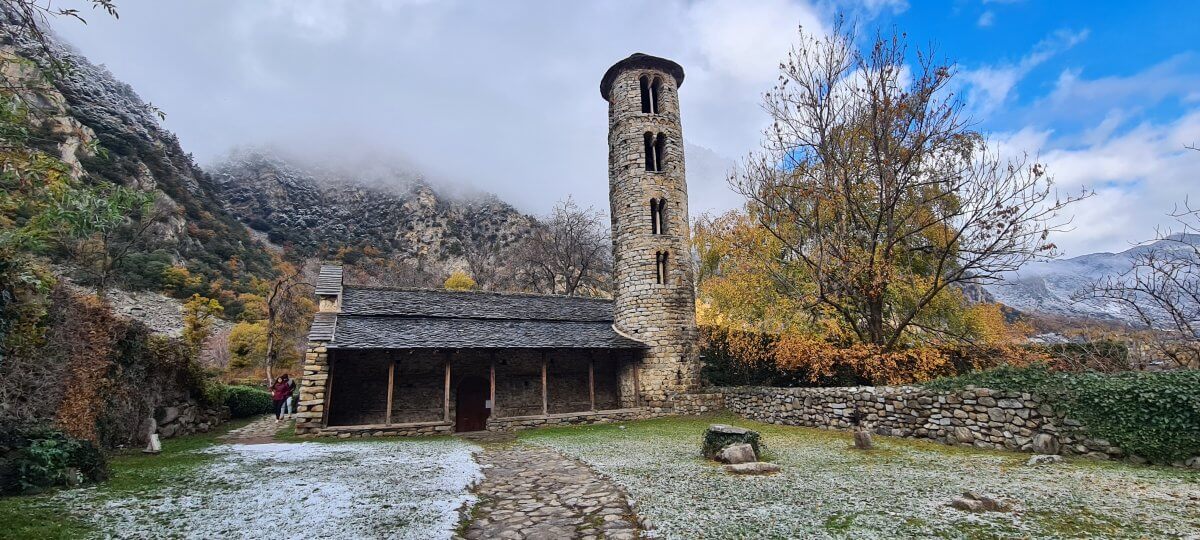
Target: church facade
420	361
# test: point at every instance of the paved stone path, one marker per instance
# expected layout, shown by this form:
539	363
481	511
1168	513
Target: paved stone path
536	493
260	431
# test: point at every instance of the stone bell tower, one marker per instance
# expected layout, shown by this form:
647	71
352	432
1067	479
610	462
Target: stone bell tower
655	301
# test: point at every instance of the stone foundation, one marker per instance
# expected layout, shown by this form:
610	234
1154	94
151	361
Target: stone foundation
418	429
598	417
976	417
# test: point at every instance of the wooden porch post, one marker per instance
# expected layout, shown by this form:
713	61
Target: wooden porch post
545	403
492	392
592	379
328	390
387	419
446	404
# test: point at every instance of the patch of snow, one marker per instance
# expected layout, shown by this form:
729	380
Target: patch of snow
393	489
901	490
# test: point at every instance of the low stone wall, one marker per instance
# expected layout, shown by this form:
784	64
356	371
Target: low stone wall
699	402
977	417
597	417
186	418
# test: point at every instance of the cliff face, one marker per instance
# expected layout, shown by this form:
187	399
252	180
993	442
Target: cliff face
388	211
100	128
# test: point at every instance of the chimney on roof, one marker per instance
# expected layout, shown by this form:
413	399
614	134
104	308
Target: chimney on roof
329	289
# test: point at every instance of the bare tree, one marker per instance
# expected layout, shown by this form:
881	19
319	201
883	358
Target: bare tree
288	310
882	195
1162	290
569	253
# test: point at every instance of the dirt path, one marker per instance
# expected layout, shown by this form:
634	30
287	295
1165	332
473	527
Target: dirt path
536	493
261	431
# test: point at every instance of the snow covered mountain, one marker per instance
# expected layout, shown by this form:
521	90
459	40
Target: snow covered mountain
1057	287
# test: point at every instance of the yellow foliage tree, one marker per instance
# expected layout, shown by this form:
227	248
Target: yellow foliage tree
459	281
747	286
248	344
199	313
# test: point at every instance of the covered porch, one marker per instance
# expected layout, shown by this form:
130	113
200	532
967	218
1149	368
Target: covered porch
421	390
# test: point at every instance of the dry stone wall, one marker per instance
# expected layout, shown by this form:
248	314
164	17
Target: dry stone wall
975	417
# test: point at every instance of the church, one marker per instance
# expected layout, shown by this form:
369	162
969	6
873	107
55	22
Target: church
384	361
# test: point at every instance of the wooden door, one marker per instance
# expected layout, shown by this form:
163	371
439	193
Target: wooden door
470	410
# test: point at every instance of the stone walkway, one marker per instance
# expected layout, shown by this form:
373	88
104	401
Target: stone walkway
261	431
536	493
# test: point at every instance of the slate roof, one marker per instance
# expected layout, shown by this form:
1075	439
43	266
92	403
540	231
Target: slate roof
329	281
359	332
473	305
378	318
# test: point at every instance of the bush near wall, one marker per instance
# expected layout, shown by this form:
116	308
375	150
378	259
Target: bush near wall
1155	415
35	456
246	401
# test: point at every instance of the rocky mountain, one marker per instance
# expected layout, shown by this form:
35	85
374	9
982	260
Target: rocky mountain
106	134
321	209
1057	287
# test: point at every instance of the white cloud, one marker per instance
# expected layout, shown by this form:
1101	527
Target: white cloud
1138	175
986	19
989	87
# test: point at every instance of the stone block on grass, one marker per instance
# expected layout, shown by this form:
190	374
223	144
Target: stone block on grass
718	436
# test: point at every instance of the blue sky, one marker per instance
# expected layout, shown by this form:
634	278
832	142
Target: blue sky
502	96
1107	93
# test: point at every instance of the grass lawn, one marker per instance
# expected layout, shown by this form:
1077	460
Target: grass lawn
199	488
829	490
49	515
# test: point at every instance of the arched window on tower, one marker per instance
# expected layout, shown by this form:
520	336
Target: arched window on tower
660	151
655	95
658	216
660	267
653	216
650	89
647	99
651	159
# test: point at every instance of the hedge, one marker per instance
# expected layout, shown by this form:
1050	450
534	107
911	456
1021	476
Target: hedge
245	401
1155	415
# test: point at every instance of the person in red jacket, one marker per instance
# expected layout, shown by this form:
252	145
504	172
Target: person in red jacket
279	393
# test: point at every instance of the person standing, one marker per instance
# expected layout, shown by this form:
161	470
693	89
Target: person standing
289	407
279	393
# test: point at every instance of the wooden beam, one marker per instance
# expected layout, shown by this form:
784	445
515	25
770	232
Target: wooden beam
492	392
545	402
387	419
328	388
592	379
446	404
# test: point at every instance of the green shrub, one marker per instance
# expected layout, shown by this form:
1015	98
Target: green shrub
1153	415
244	401
35	457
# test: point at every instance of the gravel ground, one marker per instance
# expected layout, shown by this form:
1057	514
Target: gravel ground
393	489
901	490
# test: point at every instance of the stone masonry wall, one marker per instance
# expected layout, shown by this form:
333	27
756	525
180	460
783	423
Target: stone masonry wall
660	315
311	408
977	417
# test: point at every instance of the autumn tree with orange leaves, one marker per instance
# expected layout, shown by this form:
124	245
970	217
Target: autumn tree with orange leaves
871	208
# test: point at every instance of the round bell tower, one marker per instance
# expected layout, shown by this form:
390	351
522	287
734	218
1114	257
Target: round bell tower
655	300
